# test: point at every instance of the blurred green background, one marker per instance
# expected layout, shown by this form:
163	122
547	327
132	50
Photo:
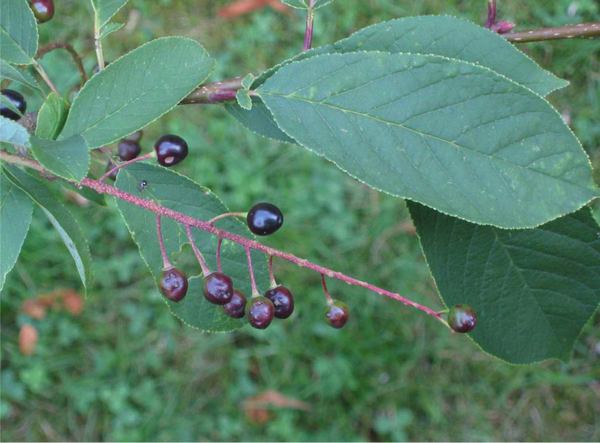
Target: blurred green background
125	369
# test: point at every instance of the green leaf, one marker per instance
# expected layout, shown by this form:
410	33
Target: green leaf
533	290
161	186
59	216
259	120
243	99
15	217
51	116
136	89
449	134
104	10
18	32
248	80
11	73
68	158
14	133
305	4
109	28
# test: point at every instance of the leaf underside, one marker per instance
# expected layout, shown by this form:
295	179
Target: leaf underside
533	290
12	132
198	202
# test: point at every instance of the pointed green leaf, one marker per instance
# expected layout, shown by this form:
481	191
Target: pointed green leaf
51	117
18	32
259	120
59	216
14	133
533	290
15	217
11	73
106	9
68	158
137	89
195	201
452	135
243	99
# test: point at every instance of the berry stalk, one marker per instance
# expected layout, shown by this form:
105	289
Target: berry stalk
197	253
161	244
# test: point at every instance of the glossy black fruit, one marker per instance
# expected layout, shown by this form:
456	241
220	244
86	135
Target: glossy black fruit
173	284
128	150
337	314
462	318
170	149
264	218
260	312
282	300
42	9
135	136
236	306
218	288
17	100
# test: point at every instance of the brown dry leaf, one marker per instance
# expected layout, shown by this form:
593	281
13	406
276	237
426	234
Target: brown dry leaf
28	337
243	7
33	309
257	407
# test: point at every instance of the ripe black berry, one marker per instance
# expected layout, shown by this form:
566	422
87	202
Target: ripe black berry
170	149
282	300
128	150
260	312
264	218
462	318
17	100
218	288
135	136
42	9
337	314
173	284
236	306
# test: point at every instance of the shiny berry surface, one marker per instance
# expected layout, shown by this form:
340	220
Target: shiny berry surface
264	219
170	150
17	100
236	306
260	312
128	150
283	301
337	314
462	318
173	284
218	288
42	9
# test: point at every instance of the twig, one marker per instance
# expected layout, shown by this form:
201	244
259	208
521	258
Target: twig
582	30
308	32
40	70
491	14
74	55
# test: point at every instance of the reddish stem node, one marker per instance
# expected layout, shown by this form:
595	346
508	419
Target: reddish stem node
197	253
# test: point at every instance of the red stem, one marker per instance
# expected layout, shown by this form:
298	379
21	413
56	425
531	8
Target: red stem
308	32
161	243
325	290
128	162
197	253
491	17
271	274
219	245
255	292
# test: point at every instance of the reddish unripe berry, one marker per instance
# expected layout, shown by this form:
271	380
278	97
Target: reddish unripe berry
173	284
236	306
218	288
462	318
260	312
337	314
282	300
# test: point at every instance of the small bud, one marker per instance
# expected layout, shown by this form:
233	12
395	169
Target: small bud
502	27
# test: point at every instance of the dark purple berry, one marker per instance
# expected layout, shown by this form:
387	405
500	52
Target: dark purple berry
236	306
260	312
42	9
462	318
17	100
109	166
173	284
170	149
337	314
282	300
134	137
128	150
264	218
218	288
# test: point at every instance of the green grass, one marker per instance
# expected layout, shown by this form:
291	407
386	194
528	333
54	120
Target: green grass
127	370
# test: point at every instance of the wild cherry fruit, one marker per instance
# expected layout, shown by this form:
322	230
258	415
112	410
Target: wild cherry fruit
173	284
236	306
170	150
337	314
462	318
260	312
282	300
42	9
17	100
128	150
135	136
218	288
264	218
